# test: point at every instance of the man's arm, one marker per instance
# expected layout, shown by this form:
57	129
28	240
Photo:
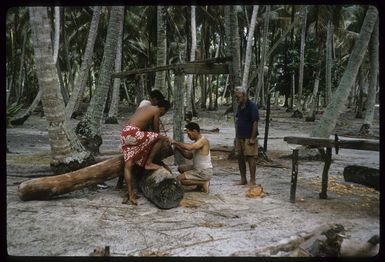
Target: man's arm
255	118
185	153
253	137
194	146
155	121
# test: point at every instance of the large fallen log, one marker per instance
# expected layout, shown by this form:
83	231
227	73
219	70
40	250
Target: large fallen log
48	187
158	186
363	175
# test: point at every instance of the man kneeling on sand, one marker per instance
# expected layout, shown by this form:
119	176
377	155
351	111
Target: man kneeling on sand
200	173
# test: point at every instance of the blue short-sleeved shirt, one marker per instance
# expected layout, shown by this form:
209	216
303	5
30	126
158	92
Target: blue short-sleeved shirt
245	118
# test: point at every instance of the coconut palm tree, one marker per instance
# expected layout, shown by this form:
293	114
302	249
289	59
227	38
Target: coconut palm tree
301	60
190	102
328	62
67	152
246	68
112	117
161	49
328	120
82	76
261	67
57	34
374	65
89	127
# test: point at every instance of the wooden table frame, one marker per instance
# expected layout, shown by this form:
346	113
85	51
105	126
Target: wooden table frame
317	142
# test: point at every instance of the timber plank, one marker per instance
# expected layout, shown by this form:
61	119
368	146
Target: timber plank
325	142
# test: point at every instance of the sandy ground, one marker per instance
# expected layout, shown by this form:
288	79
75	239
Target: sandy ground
222	223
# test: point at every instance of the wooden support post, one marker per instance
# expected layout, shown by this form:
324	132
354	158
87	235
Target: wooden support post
267	122
178	114
294	174
325	175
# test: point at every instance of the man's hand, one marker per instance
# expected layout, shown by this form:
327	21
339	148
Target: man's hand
170	140
252	141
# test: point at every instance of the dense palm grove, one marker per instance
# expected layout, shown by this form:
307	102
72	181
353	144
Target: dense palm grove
321	56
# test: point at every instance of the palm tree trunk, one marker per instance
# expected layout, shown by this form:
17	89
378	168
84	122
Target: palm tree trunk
57	34
360	99
236	54
328	71
202	80
301	60
178	113
70	77
67	153
190	102
311	114
261	67
292	91
82	76
329	119
89	126
21	69
113	112
248	54
161	53
139	90
63	87
374	65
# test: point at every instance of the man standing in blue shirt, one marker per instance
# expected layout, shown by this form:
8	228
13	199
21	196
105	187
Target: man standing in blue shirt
246	144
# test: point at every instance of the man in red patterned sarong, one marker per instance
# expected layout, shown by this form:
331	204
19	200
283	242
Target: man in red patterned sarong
138	144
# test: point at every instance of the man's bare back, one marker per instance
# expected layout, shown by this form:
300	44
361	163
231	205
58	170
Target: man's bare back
145	116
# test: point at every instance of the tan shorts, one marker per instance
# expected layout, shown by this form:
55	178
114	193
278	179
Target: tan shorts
242	147
194	174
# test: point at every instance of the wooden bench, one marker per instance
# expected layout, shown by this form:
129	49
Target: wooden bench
317	142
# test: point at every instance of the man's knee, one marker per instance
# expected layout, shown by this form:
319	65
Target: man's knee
251	159
181	177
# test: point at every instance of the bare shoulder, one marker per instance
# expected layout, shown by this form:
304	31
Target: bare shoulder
204	138
204	141
150	109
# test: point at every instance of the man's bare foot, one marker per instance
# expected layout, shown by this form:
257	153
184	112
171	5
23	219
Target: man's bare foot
205	187
252	183
131	199
152	166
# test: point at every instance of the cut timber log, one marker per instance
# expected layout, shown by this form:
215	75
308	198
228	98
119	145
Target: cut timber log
157	185
366	176
161	188
48	187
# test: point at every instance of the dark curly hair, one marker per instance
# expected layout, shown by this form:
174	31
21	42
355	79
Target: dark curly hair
193	126
156	94
164	103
